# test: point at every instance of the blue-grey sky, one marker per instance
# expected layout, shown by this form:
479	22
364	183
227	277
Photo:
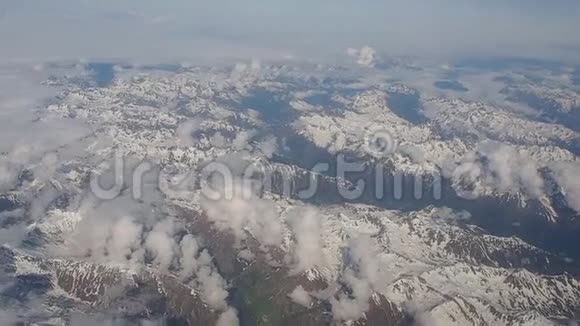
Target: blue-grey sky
170	29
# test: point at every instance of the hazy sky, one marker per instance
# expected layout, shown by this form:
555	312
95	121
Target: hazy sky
39	29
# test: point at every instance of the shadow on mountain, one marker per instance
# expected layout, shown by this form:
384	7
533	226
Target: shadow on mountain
406	106
450	85
273	107
549	110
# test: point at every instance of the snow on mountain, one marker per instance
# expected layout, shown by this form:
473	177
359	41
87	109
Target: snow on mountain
484	121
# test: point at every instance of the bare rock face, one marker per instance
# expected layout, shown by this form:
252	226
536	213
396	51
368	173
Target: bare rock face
119	292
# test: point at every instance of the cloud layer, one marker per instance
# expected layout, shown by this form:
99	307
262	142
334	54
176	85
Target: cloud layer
85	29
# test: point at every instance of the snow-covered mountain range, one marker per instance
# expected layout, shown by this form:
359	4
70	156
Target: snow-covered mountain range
467	214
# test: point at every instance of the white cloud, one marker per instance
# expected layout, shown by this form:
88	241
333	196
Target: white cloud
213	286
242	138
362	275
496	167
244	75
12	164
104	232
109	233
366	56
567	176
189	251
185	130
218	140
247	255
420	317
161	244
306	226
42	166
197	263
448	215
125	239
268	146
228	318
244	214
301	297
